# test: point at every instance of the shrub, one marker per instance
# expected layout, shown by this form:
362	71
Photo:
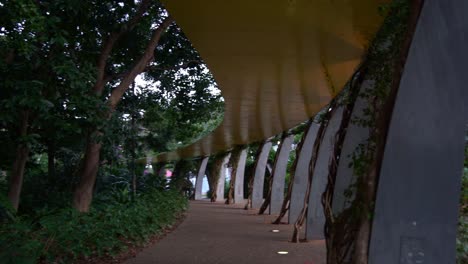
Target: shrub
65	235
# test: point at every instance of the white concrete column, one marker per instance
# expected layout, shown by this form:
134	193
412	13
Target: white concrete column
277	188
417	203
222	178
239	184
355	135
199	181
315	215
259	177
301	174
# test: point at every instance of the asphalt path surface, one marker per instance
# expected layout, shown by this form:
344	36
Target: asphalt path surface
219	233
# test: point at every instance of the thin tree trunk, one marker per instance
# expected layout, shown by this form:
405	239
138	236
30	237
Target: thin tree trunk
232	182
381	130
318	141
214	175
17	172
133	145
134	176
250	190
292	172
333	256
267	200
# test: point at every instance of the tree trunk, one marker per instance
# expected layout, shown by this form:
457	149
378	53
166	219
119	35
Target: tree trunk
84	191
214	175
232	182
267	200
250	190
17	172
133	144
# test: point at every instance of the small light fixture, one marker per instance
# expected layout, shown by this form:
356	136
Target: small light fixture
275	231
282	252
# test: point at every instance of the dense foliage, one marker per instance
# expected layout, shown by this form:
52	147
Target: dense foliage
64	235
53	103
118	77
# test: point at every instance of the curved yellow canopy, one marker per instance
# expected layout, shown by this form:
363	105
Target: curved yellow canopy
276	62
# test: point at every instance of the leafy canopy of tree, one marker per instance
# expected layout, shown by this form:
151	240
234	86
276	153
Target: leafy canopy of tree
65	65
68	81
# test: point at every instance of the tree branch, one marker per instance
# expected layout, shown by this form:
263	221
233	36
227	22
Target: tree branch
110	42
140	66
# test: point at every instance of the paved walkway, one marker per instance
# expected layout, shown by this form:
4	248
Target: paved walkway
218	233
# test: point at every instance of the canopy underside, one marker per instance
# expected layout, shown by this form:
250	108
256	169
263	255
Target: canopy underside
276	62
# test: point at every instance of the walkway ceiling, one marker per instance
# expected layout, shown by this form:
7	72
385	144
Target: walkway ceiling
277	62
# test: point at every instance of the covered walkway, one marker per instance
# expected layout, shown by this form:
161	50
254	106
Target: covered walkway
219	233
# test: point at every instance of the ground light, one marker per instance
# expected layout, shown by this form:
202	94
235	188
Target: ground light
282	252
275	231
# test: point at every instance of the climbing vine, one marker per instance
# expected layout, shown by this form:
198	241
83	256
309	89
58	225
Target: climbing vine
248	205
324	118
348	232
292	172
336	234
267	200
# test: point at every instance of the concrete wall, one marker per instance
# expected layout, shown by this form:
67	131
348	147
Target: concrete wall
355	135
239	184
418	194
257	190
315	216
199	181
301	174
222	178
277	188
